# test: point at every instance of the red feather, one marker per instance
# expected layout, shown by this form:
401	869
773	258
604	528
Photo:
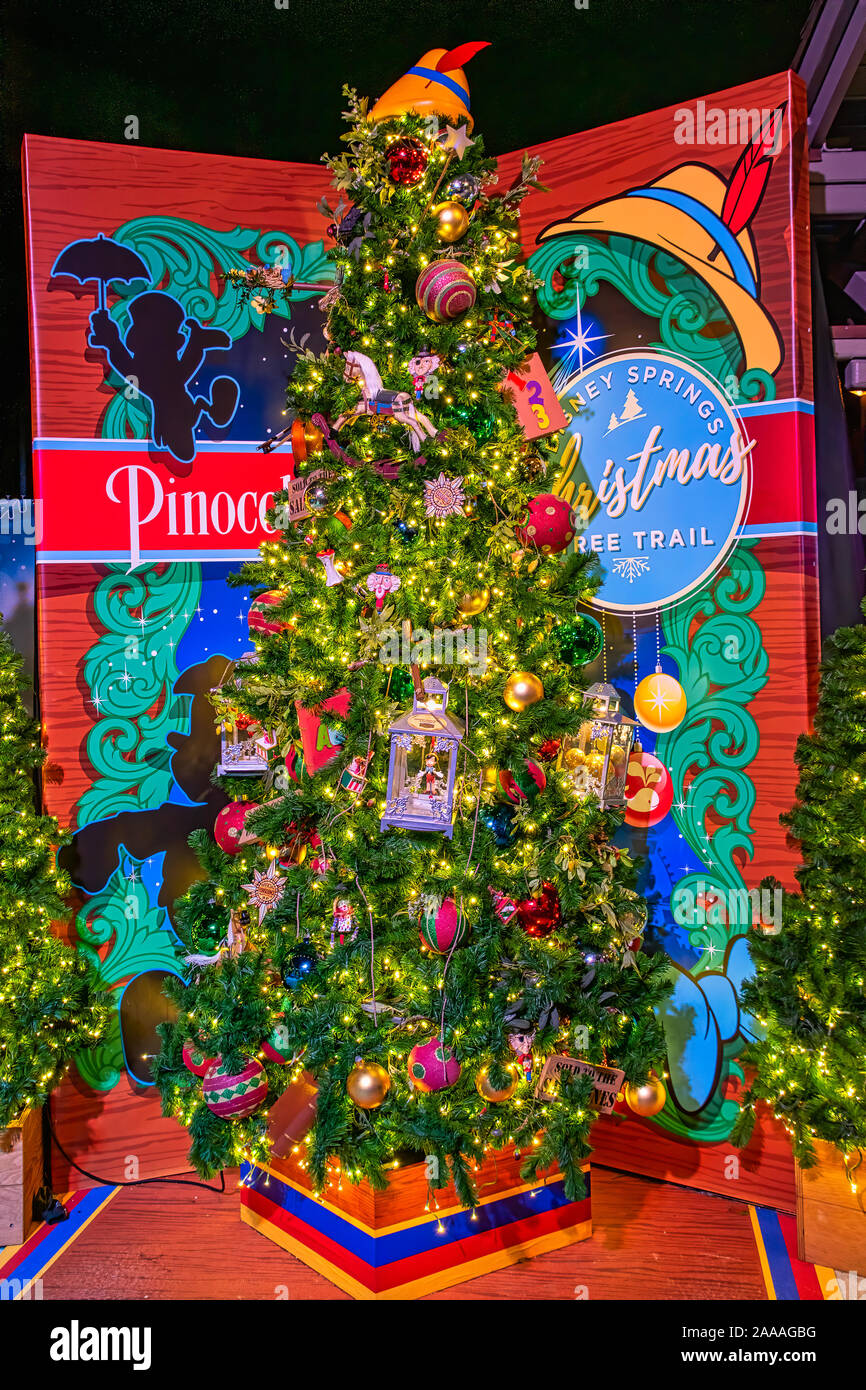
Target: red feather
456	57
751	171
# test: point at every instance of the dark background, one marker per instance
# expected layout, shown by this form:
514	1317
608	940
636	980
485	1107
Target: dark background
242	77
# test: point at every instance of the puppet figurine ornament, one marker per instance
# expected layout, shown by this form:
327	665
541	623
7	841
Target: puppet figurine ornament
343	923
521	1046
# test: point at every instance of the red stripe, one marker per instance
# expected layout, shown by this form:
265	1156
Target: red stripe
808	1286
26	1250
415	1267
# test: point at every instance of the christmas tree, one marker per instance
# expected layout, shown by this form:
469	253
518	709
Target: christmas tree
808	992
432	906
50	1006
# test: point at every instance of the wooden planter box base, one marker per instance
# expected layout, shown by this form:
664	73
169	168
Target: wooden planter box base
383	1245
20	1177
831	1221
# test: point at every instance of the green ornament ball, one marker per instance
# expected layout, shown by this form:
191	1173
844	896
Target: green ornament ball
580	642
401	688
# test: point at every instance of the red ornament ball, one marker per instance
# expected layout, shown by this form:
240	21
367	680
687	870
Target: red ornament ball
649	789
195	1061
549	526
540	915
433	1066
260	616
229	829
408	160
232	1095
549	749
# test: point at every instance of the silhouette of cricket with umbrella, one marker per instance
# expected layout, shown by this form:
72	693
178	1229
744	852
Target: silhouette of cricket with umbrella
163	350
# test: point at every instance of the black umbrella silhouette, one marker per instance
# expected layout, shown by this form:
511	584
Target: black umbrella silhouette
100	259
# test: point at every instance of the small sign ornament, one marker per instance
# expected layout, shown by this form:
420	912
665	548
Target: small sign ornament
606	1081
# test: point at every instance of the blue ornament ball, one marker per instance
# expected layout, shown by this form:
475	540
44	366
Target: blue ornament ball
300	964
498	820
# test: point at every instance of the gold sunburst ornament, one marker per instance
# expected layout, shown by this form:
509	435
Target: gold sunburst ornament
266	889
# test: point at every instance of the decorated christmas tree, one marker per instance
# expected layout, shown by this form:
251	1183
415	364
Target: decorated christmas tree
50	1006
391	940
809	989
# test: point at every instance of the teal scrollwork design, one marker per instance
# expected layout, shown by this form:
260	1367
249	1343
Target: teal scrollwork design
722	665
185	260
691	320
131	672
122	933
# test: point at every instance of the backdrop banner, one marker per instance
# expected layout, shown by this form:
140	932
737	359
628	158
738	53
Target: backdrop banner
672	251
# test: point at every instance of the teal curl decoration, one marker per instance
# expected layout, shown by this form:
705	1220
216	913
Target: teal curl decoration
131	672
139	937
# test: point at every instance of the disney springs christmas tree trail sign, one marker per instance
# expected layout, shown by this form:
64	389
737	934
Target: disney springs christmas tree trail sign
675	299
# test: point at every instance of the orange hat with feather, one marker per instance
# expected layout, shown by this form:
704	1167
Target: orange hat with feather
436	84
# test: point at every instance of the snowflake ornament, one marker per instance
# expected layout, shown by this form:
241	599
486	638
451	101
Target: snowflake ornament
266	889
444	496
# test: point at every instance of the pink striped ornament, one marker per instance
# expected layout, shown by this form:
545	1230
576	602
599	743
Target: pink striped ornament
445	290
231	1096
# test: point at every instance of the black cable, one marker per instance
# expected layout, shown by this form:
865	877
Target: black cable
128	1182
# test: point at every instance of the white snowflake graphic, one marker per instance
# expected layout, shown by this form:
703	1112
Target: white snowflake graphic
631	568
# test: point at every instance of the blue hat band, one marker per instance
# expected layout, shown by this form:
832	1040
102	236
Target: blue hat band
711	224
433	76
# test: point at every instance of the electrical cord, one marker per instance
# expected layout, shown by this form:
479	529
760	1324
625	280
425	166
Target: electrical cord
129	1182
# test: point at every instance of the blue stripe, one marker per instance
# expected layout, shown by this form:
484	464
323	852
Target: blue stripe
780	528
777	1255
793	405
53	1239
106	557
710	223
143	446
379	1250
433	76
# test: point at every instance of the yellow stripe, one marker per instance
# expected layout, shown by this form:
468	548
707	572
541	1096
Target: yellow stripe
762	1256
432	1283
829	1281
415	1221
72	1239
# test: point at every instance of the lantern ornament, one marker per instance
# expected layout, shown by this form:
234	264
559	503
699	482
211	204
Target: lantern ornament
597	757
246	749
423	763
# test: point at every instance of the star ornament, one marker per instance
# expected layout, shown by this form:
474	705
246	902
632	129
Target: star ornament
444	496
457	140
266	889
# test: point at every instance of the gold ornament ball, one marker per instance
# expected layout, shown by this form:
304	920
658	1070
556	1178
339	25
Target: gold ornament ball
595	762
484	1088
476	602
452	221
489	777
648	1099
368	1085
617	755
574	757
660	703
522	689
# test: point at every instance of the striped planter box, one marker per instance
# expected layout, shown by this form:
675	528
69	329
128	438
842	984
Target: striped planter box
383	1245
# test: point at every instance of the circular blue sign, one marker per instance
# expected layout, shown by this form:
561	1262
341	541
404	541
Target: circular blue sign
655	464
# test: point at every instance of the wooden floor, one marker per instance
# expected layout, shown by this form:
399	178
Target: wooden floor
652	1241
